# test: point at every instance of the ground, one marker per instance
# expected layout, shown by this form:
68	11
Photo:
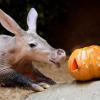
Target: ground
15	93
67	91
70	91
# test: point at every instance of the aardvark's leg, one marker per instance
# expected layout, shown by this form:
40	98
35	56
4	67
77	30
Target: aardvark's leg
10	76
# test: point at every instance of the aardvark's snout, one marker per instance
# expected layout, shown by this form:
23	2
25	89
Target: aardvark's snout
58	56
61	53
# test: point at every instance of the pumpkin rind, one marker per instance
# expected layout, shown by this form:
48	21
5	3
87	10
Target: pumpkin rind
87	61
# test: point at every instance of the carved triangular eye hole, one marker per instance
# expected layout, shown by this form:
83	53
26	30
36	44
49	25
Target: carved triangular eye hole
32	45
74	65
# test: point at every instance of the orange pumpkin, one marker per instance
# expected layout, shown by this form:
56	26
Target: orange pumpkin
84	63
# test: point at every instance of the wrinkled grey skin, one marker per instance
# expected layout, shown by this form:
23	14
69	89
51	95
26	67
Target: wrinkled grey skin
18	52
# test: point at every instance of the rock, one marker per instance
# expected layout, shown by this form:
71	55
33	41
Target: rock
70	91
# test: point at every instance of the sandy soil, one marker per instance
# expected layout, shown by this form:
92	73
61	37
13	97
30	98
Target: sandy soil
15	93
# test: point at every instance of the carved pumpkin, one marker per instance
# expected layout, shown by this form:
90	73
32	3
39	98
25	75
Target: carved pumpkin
84	63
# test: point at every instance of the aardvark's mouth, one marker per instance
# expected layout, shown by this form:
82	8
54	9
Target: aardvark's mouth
55	63
58	62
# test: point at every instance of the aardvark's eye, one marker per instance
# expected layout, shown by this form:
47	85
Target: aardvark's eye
32	45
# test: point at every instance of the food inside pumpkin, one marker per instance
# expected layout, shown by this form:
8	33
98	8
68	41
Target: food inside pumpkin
74	65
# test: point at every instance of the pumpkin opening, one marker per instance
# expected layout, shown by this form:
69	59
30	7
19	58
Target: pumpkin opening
74	65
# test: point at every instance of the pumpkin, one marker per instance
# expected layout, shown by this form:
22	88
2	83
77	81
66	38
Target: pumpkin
84	63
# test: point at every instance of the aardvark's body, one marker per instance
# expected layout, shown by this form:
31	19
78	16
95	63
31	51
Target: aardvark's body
18	52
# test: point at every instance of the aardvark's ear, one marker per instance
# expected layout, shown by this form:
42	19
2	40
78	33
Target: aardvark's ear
31	20
8	23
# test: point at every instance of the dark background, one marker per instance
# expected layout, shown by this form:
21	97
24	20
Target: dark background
67	24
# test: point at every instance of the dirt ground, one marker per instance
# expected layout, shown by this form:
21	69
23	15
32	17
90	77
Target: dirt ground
15	93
